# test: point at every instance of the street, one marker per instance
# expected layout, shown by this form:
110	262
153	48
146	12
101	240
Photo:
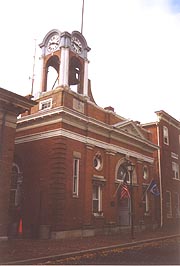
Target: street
162	252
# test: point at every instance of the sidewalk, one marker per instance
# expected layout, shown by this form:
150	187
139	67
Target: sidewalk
22	249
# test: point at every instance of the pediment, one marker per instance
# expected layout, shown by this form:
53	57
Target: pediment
130	127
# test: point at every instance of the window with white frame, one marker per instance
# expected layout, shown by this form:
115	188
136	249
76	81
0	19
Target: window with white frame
75	177
175	169
46	104
176	205
168	204
165	135
97	199
145	172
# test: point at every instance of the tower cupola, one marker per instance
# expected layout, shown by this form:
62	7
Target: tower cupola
67	55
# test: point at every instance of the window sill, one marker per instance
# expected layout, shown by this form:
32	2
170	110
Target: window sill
147	214
75	196
98	214
178	179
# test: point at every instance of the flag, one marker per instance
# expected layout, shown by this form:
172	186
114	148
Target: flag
123	178
124	191
153	188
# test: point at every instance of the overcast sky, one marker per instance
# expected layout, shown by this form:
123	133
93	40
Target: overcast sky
135	50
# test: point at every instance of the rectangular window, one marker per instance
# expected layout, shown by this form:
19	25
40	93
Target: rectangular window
46	104
146	200
175	169
168	204
97	199
176	205
76	177
165	135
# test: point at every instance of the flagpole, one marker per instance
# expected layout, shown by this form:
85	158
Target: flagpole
82	18
117	189
146	190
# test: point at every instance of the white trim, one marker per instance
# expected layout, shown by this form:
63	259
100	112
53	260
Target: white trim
76	177
98	199
85	90
93	126
123	124
172	121
83	139
169	214
49	100
165	135
175	169
64	67
174	155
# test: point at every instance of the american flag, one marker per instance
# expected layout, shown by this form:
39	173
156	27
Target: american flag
124	191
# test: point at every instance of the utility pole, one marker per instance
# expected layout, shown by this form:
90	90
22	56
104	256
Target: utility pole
82	18
33	71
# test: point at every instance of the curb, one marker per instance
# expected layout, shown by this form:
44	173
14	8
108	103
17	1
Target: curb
75	253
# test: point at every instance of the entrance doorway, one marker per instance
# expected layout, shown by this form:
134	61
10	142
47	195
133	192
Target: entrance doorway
124	212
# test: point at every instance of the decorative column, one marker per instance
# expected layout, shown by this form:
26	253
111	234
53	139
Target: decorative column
85	87
64	67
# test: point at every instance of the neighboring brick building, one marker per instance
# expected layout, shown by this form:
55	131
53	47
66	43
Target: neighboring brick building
166	133
11	105
71	153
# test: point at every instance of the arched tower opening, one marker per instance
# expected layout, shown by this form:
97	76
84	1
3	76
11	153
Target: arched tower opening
75	74
52	73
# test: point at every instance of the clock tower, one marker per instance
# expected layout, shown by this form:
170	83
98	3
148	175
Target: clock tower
67	54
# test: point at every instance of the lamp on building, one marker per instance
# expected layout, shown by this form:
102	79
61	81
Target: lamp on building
130	168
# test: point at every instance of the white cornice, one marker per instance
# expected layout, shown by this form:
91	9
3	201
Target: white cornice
92	125
83	139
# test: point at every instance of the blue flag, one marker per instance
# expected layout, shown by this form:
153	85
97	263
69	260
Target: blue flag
153	188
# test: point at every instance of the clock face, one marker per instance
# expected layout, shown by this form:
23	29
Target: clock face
76	45
53	43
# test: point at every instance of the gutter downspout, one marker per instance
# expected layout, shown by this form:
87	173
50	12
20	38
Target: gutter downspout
160	176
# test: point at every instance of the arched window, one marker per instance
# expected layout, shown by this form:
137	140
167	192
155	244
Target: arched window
122	173
16	187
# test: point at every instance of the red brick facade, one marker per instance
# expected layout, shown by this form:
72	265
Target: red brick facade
11	105
166	133
48	141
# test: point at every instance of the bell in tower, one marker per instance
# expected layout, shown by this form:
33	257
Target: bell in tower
75	74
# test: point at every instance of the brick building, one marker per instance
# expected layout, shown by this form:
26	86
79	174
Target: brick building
166	133
72	153
11	105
